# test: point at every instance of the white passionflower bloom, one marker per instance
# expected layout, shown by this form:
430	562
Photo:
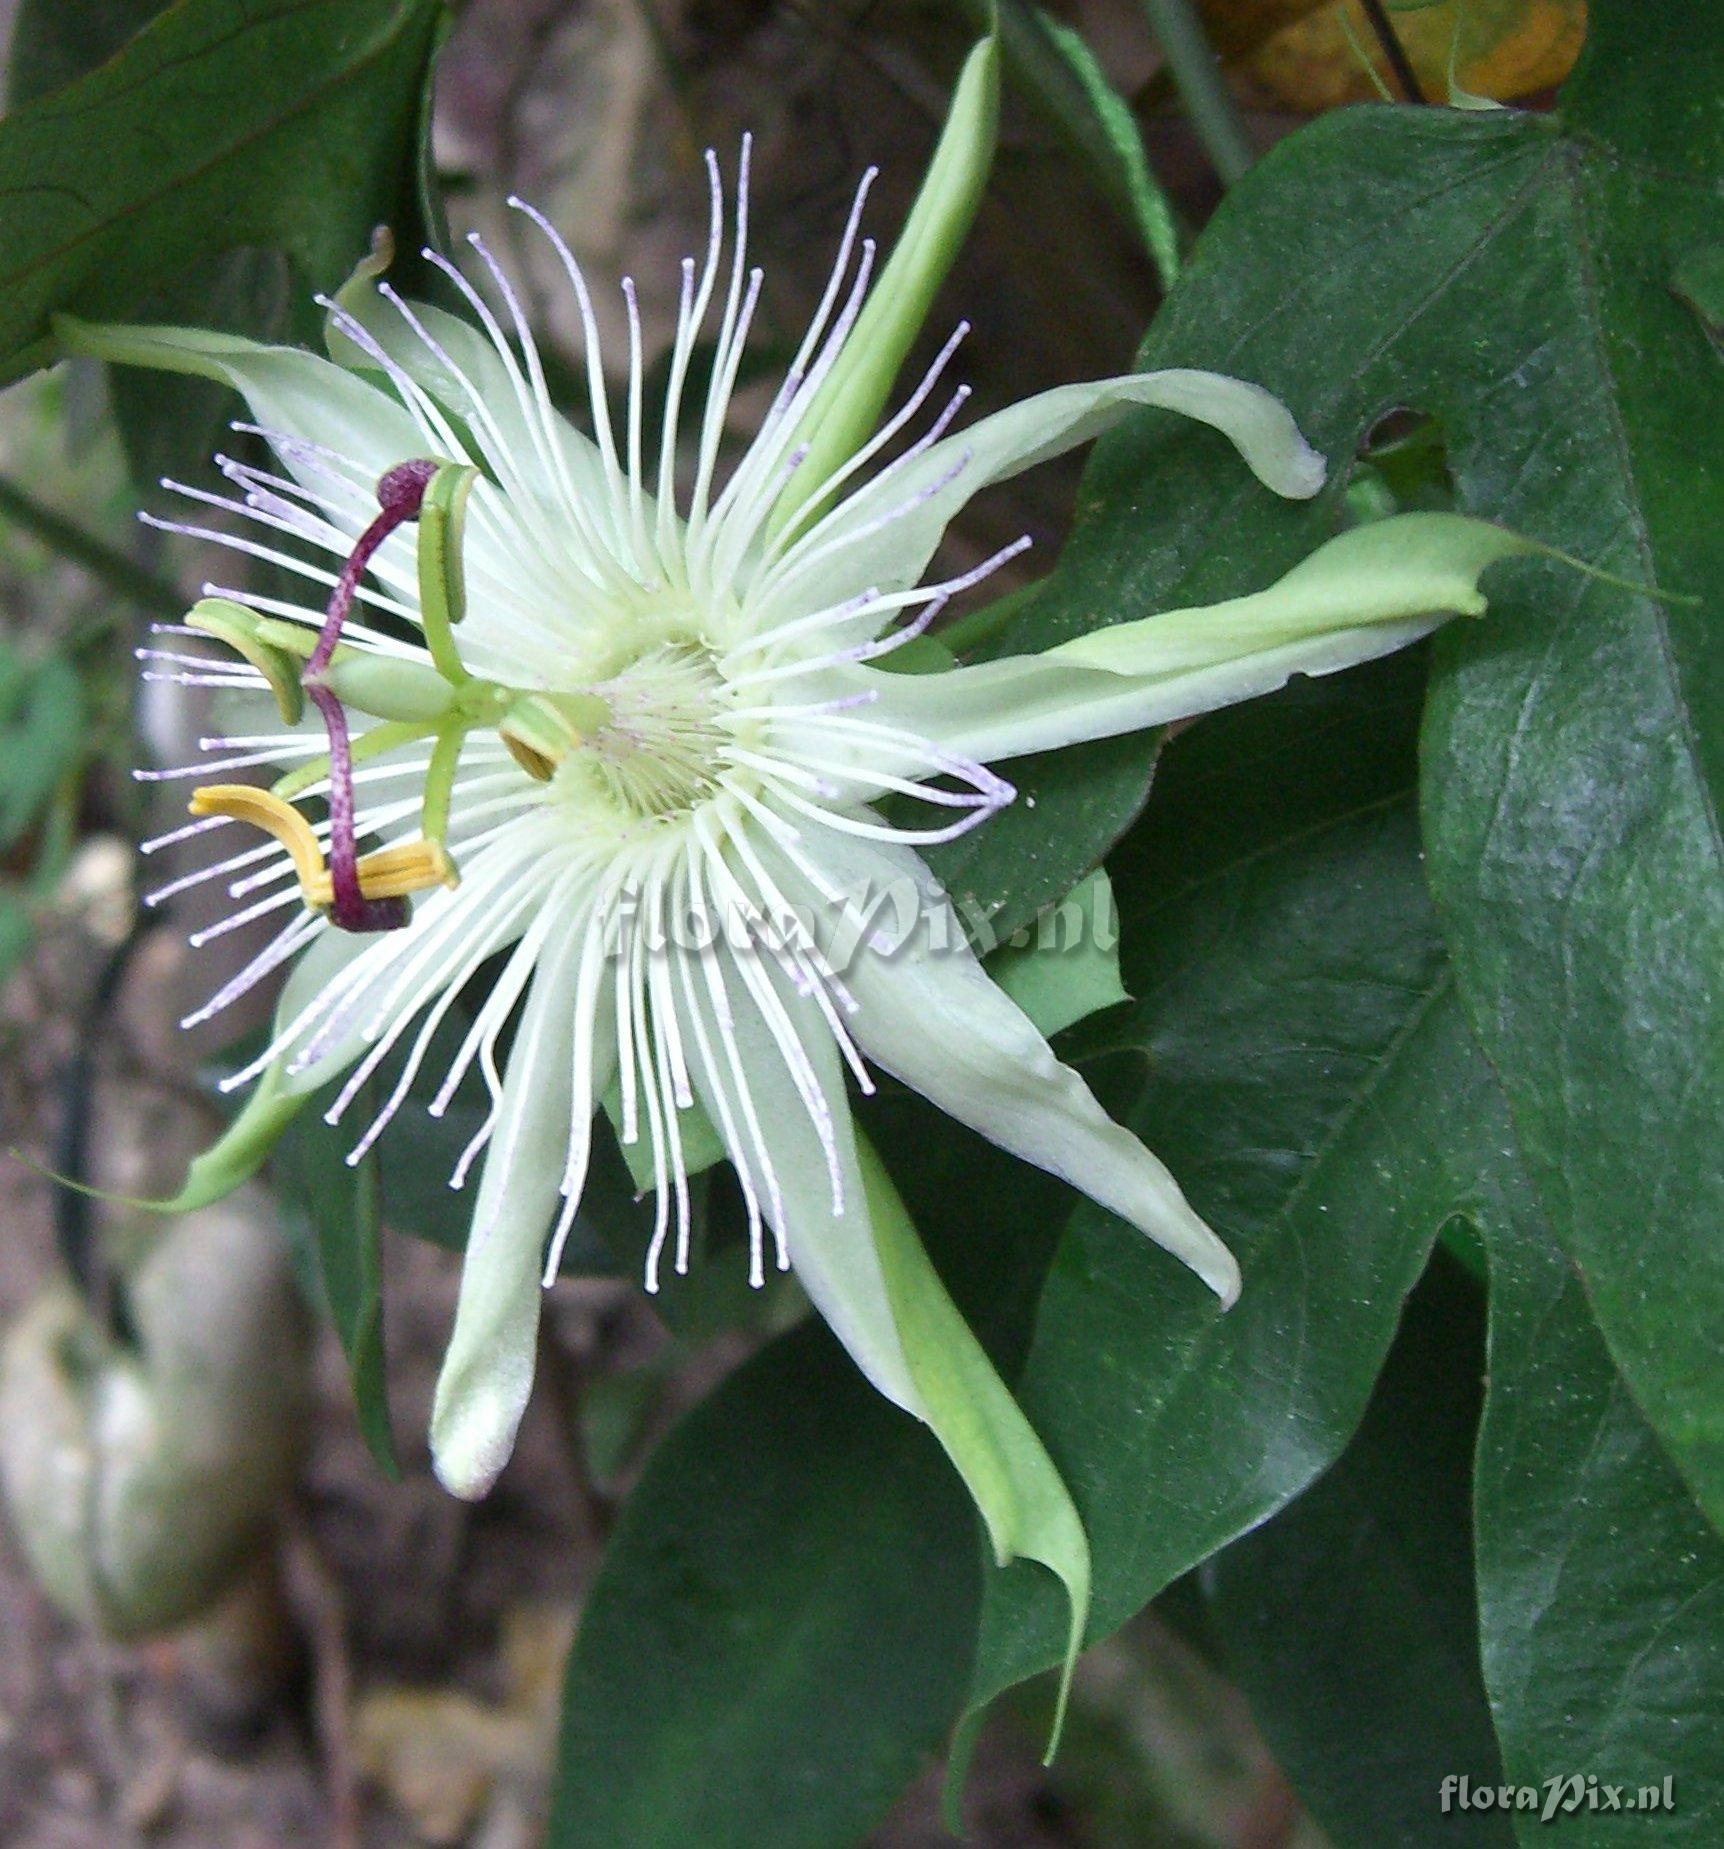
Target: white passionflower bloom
625	721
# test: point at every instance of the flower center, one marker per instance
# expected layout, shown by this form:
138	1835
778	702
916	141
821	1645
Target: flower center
651	738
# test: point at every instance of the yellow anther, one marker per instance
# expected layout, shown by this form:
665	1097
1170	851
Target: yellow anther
541	729
390	873
245	803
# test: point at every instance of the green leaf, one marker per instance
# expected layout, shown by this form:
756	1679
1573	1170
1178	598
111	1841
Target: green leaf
1283	1057
291	125
54	41
1512	278
1698	278
1601	1586
1577	765
340	1209
1071	808
41	736
1065	967
1351	1621
777	1638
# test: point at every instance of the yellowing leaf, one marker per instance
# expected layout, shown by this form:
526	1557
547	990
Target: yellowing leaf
1501	49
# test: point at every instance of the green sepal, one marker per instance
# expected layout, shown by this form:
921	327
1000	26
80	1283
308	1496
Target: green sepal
1366	593
702	1146
1026	1507
238	628
844	412
281	1090
243	1147
353	297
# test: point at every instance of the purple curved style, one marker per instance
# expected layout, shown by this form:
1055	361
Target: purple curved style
400	495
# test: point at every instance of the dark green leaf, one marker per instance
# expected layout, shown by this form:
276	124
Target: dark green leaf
1351	1620
1601	1587
1698	279
291	125
171	425
54	41
1577	754
340	1209
1513	280
1072	806
779	1634
1288	1046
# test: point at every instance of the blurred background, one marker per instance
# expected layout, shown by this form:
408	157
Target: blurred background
325	1655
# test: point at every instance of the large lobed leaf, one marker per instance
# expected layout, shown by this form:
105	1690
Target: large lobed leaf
1351	1618
1512	276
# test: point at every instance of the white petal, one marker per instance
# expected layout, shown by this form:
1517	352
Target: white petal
525	429
930	1014
288	390
487	1370
1364	594
843	558
831	1248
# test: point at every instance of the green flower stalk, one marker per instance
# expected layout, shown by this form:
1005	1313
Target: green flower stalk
623	721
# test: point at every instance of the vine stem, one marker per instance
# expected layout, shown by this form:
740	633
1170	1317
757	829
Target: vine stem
1393	50
1197	76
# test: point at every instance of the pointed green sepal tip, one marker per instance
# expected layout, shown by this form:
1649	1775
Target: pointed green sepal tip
1023	1502
242	1148
235	1156
352	297
845	411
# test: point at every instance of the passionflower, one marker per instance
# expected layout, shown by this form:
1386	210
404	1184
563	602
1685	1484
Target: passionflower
623	717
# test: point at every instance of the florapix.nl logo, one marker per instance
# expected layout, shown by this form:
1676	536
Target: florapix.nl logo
1562	1795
